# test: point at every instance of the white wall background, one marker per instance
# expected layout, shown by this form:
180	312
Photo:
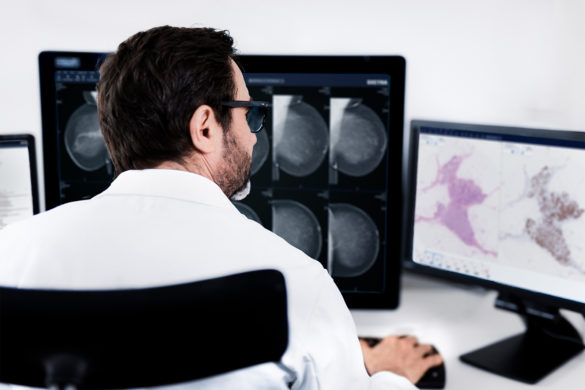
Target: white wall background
507	62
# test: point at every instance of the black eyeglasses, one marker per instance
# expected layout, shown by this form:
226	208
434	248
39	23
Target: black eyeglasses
256	115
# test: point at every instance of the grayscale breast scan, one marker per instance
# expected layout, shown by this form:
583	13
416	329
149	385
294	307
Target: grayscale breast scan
383	195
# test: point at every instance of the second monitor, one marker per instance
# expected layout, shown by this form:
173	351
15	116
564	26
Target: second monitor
504	208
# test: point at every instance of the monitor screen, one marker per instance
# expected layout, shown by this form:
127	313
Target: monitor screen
18	188
502	205
504	208
326	170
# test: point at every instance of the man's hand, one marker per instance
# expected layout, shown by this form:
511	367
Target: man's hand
402	355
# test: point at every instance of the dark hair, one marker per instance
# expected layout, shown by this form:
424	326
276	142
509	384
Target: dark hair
151	86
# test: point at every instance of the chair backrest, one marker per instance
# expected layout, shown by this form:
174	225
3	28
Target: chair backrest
116	339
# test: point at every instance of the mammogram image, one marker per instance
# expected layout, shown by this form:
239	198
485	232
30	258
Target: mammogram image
83	137
297	224
300	136
353	241
358	138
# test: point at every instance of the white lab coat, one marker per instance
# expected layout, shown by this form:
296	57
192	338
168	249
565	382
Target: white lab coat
159	227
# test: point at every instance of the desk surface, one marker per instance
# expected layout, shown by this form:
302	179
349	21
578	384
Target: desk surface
458	319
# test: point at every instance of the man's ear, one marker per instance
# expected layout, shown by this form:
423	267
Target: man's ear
206	132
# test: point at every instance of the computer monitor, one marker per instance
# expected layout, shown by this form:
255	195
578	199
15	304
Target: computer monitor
18	187
76	162
504	208
326	171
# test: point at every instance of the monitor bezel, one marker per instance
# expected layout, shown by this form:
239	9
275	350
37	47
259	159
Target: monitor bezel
32	160
47	69
515	293
394	66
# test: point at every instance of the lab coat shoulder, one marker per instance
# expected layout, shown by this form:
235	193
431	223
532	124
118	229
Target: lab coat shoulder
24	243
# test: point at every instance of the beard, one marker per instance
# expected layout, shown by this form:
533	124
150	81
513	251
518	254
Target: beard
234	176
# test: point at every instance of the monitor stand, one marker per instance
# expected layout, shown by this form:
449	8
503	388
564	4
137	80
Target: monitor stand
548	342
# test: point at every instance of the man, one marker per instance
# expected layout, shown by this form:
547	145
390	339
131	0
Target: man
175	113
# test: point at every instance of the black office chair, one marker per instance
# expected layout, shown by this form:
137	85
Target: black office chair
117	339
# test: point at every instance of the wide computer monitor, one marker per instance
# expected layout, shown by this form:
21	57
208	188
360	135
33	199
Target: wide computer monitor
326	170
504	208
18	186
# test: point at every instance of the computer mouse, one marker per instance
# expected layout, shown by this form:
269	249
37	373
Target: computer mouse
435	377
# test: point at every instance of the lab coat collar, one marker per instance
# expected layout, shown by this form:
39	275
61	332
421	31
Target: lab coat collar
169	183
